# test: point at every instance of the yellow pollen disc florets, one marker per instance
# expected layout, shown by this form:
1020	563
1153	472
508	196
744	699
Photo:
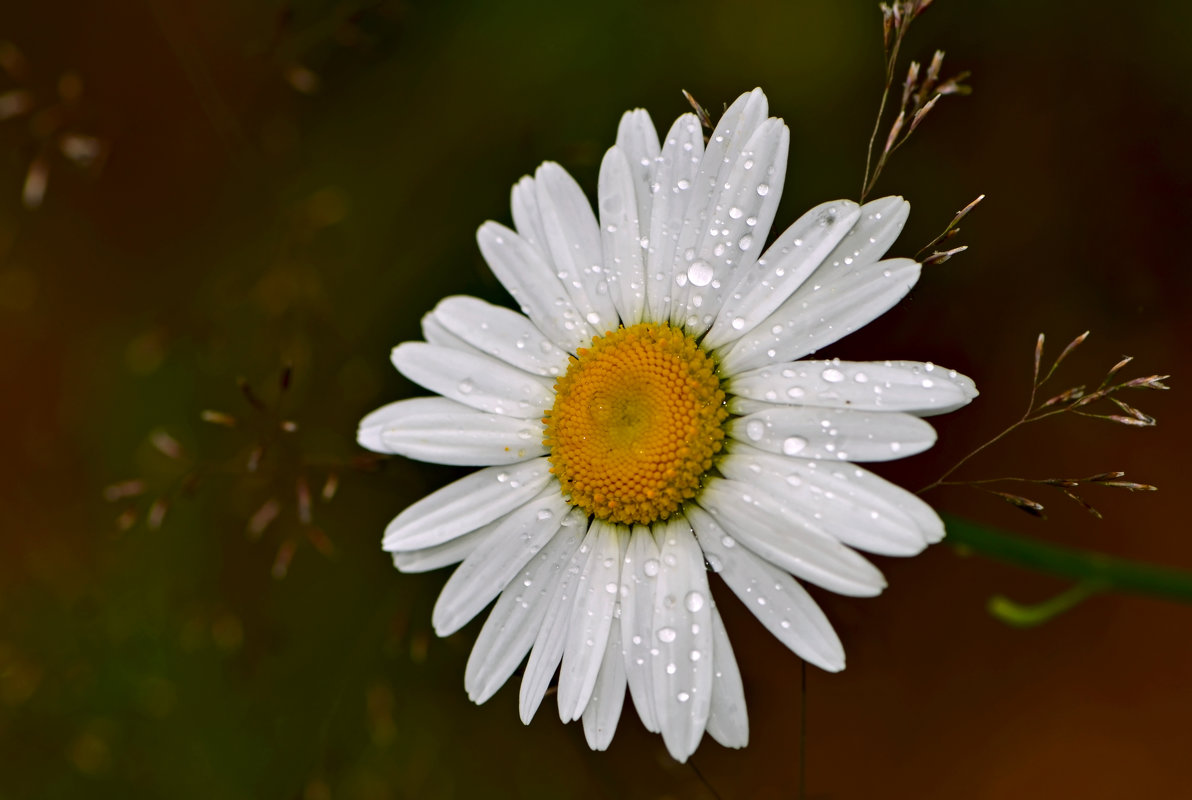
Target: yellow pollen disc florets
637	420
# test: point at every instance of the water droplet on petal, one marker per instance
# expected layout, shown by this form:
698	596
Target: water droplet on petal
832	375
666	635
650	567
694	601
793	444
700	273
755	429
466	386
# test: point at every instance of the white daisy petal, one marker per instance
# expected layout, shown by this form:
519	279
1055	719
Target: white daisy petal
497	559
784	535
771	595
725	147
608	697
637	138
442	431
683	638
728	720
850	289
781	270
639	581
450	552
839	434
591	618
911	386
738	218
465	505
621	238
434	332
674	176
856	507
368	435
526	216
552	636
514	622
475	380
808	321
522	269
500	333
573	241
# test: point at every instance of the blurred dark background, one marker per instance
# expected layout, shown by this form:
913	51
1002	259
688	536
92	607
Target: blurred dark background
193	193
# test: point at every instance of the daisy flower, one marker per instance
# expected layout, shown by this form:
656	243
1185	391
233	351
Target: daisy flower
652	415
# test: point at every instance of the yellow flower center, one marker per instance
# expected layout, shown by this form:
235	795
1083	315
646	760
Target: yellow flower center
637	419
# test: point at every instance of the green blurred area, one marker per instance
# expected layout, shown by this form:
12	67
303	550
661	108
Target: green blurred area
298	183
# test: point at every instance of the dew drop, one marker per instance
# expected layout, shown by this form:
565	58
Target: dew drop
466	386
700	273
738	323
545	514
795	391
736	213
793	444
832	375
650	567
666	635
763	189
895	446
745	242
755	429
695	655
682	697
694	601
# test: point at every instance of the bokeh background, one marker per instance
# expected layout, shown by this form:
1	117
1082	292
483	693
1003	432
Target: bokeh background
193	193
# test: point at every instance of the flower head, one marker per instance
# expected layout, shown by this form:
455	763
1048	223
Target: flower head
651	415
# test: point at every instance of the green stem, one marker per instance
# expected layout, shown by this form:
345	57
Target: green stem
1081	565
